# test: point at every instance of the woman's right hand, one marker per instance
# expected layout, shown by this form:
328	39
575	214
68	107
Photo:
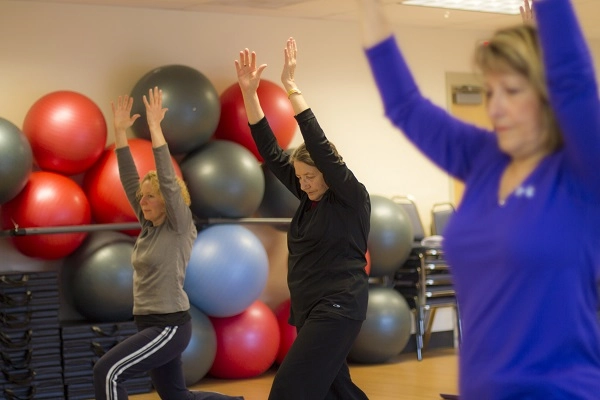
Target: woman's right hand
122	118
247	72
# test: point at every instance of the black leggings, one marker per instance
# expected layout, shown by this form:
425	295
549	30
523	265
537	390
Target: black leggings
315	366
155	349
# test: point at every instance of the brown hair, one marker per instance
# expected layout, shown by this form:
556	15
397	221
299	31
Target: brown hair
517	49
152	177
301	154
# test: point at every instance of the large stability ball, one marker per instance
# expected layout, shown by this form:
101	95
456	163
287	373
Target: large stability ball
386	331
193	103
391	236
233	124
98	277
247	343
224	180
278	201
287	332
103	186
67	132
200	352
227	271
16	160
47	200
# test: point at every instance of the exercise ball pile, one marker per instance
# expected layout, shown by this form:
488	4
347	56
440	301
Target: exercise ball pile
67	132
386	330
227	271
16	160
247	343
47	200
391	236
98	277
233	123
224	180
193	103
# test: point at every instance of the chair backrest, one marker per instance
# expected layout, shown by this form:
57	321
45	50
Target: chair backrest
410	207
440	215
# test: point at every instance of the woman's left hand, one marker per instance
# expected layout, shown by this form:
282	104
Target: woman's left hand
155	112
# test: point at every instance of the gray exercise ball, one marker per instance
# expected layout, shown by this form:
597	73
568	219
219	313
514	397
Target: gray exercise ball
278	201
224	180
98	277
386	330
201	351
193	103
391	236
16	160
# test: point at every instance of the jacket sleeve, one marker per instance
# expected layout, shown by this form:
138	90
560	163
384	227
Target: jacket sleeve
572	88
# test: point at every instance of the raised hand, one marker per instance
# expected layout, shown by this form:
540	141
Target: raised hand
289	66
122	118
155	112
527	13
247	72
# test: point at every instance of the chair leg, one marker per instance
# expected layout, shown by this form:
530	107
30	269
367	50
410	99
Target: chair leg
458	324
420	319
428	326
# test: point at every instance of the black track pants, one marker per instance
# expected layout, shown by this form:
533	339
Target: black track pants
155	349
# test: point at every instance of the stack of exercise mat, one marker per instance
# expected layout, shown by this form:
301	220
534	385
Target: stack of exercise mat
31	366
83	343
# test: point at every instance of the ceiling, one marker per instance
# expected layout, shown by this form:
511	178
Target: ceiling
345	10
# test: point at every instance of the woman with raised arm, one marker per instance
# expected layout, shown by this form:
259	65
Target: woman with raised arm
160	257
327	242
524	244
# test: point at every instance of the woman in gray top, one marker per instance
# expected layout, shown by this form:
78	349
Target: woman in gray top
160	257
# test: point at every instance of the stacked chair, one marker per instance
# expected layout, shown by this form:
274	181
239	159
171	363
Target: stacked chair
425	278
31	365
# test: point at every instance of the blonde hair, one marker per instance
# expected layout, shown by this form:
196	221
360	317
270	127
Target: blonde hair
517	49
152	177
301	154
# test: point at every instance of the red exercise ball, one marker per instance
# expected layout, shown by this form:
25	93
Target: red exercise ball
233	122
247	343
47	200
103	186
287	332
67	132
368	266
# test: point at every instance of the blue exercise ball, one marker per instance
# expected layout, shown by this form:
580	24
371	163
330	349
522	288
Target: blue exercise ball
224	180
201	351
193	103
98	277
386	330
16	160
390	238
227	271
